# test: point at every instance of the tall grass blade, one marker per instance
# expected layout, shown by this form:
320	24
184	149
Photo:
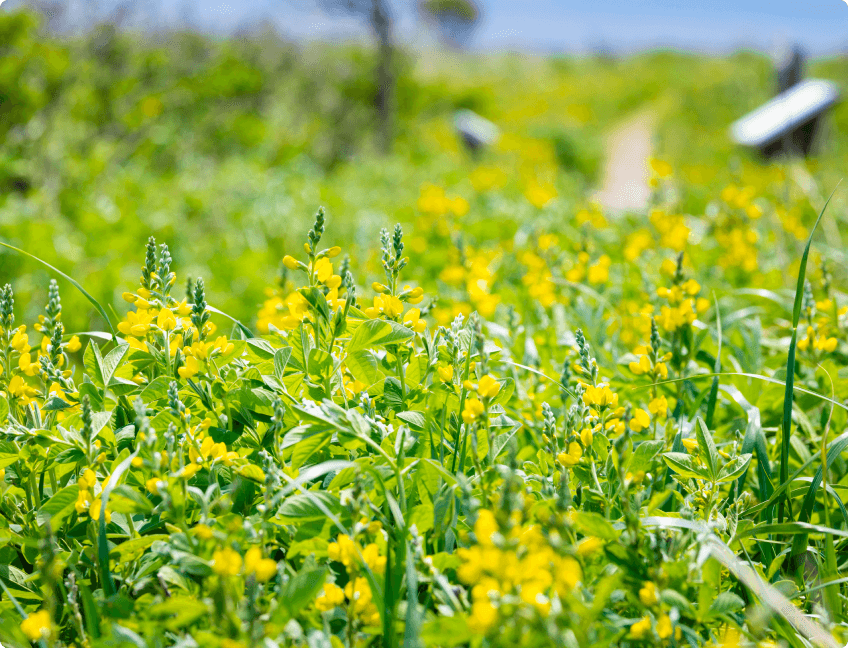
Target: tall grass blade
711	402
74	283
790	363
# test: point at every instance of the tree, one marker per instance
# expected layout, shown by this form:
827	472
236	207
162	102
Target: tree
380	19
454	20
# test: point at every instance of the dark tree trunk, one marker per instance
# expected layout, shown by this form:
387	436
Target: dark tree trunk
381	22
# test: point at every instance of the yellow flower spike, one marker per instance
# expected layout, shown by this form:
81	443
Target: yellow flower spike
37	625
226	562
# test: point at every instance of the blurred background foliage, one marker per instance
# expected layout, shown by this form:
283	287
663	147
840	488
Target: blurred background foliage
224	147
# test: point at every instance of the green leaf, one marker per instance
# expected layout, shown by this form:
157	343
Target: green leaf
310	505
644	454
377	333
685	465
300	589
592	524
414	419
726	603
126	550
707	448
112	361
281	359
734	468
363	366
58	507
253	473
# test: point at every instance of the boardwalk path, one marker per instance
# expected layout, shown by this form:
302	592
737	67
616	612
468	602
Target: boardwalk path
626	172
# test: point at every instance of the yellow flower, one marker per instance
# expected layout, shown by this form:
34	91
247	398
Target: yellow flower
290	262
37	625
474	410
74	344
485	527
19	389
641	628
600	396
640	420
484	615
649	594
570	458
343	550
488	387
445	373
414	321
371	556
152	485
586	437
166	320
659	407
202	531
264	569
88	479
332	597
643	366
20	340
190	369
83	503
664	628
691	445
589	546
226	562
94	511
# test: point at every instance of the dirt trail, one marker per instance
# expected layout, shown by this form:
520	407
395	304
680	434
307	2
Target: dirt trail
626	171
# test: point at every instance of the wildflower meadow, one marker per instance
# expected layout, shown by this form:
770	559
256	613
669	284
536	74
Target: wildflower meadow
483	410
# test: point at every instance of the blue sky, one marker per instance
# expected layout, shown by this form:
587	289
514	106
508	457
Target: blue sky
561	25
